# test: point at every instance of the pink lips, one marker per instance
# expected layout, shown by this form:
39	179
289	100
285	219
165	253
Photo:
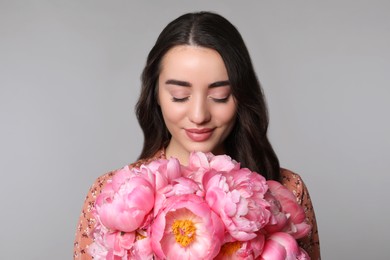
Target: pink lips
199	134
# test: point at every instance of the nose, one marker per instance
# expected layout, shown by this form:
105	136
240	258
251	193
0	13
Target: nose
198	111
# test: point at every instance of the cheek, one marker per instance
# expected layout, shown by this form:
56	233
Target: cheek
167	107
227	115
171	112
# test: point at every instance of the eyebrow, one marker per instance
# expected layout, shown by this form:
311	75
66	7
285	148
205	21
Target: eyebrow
187	84
178	82
219	84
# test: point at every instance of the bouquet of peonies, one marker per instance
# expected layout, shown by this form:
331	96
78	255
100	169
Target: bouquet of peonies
210	209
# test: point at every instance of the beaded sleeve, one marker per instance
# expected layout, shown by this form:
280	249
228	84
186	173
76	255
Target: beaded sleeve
295	184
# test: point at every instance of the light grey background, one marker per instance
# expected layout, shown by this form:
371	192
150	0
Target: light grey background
69	80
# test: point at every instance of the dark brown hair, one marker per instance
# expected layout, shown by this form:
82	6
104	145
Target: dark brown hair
248	142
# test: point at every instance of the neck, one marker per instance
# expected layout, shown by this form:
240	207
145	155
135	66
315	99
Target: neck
182	156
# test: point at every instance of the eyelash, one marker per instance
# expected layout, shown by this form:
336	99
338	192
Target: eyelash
217	100
179	100
220	100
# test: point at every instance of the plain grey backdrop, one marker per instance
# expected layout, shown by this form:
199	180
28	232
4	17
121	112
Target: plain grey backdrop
69	80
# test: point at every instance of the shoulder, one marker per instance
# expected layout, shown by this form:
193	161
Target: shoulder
293	182
159	155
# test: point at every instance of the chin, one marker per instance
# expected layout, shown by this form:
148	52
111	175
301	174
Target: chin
207	149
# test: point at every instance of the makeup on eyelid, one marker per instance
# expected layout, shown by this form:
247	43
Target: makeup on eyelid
217	94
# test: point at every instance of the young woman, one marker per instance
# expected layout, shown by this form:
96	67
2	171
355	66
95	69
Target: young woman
200	93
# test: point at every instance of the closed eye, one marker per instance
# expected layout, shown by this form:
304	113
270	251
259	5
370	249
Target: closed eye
221	100
179	100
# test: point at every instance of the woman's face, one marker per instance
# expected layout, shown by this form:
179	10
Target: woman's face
195	97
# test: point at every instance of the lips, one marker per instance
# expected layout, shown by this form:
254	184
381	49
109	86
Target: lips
199	134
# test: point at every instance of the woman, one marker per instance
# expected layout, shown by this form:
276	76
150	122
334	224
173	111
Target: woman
200	93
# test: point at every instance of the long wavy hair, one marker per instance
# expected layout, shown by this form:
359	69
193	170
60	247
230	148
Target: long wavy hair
247	142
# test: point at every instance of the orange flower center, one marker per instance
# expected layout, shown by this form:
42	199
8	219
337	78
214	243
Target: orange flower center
229	249
139	236
184	231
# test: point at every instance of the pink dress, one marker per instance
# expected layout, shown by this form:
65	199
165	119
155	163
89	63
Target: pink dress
289	179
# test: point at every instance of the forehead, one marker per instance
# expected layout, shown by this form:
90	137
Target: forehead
189	57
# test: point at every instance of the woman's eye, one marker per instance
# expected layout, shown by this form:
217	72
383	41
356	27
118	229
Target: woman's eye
175	99
220	100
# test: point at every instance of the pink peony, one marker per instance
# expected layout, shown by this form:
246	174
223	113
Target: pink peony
210	209
165	171
200	163
237	250
238	197
288	216
142	248
278	220
186	228
99	248
118	245
282	246
182	186
111	245
223	163
126	201
179	186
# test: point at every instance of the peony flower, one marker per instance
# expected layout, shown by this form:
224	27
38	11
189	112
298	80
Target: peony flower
210	209
165	171
237	250
278	220
238	197
200	163
119	243
111	245
288	215
186	228
182	186
124	204
282	246
99	248
142	248
179	186
223	163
